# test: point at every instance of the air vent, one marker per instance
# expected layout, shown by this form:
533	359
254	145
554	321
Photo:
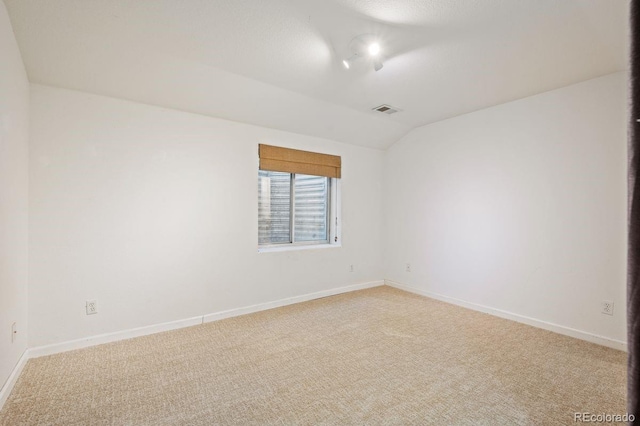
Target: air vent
387	109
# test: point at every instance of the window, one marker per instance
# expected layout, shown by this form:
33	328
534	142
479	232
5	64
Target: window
293	208
296	208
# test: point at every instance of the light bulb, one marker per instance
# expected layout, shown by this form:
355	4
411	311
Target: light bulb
345	63
374	49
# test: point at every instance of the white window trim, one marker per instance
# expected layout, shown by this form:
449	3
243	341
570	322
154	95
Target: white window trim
294	247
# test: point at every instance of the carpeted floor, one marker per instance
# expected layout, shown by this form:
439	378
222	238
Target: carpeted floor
377	356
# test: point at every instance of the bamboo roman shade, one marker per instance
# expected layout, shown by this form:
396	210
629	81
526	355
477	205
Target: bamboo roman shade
278	159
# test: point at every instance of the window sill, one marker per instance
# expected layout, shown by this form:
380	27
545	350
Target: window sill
272	249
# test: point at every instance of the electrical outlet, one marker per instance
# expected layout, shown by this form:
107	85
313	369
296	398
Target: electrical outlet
350	268
606	307
14	331
92	307
408	267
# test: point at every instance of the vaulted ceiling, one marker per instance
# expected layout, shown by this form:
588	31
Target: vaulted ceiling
278	63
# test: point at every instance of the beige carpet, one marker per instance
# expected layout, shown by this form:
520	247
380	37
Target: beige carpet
377	356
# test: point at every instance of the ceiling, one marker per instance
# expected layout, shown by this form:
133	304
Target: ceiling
277	63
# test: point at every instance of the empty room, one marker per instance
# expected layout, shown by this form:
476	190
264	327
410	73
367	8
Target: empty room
319	212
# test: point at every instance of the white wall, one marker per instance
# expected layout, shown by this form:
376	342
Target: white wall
153	212
14	117
519	207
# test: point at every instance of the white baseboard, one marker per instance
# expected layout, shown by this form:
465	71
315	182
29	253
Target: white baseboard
560	329
173	325
289	301
13	378
99	339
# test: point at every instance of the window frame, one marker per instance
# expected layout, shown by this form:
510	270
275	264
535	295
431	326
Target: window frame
333	221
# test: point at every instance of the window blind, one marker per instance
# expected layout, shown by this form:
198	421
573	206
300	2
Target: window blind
278	159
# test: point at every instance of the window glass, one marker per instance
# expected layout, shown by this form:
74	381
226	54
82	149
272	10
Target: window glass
293	208
274	207
311	207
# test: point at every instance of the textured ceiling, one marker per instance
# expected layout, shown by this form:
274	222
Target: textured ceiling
277	63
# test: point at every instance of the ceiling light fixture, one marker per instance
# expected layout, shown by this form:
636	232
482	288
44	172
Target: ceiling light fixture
364	46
